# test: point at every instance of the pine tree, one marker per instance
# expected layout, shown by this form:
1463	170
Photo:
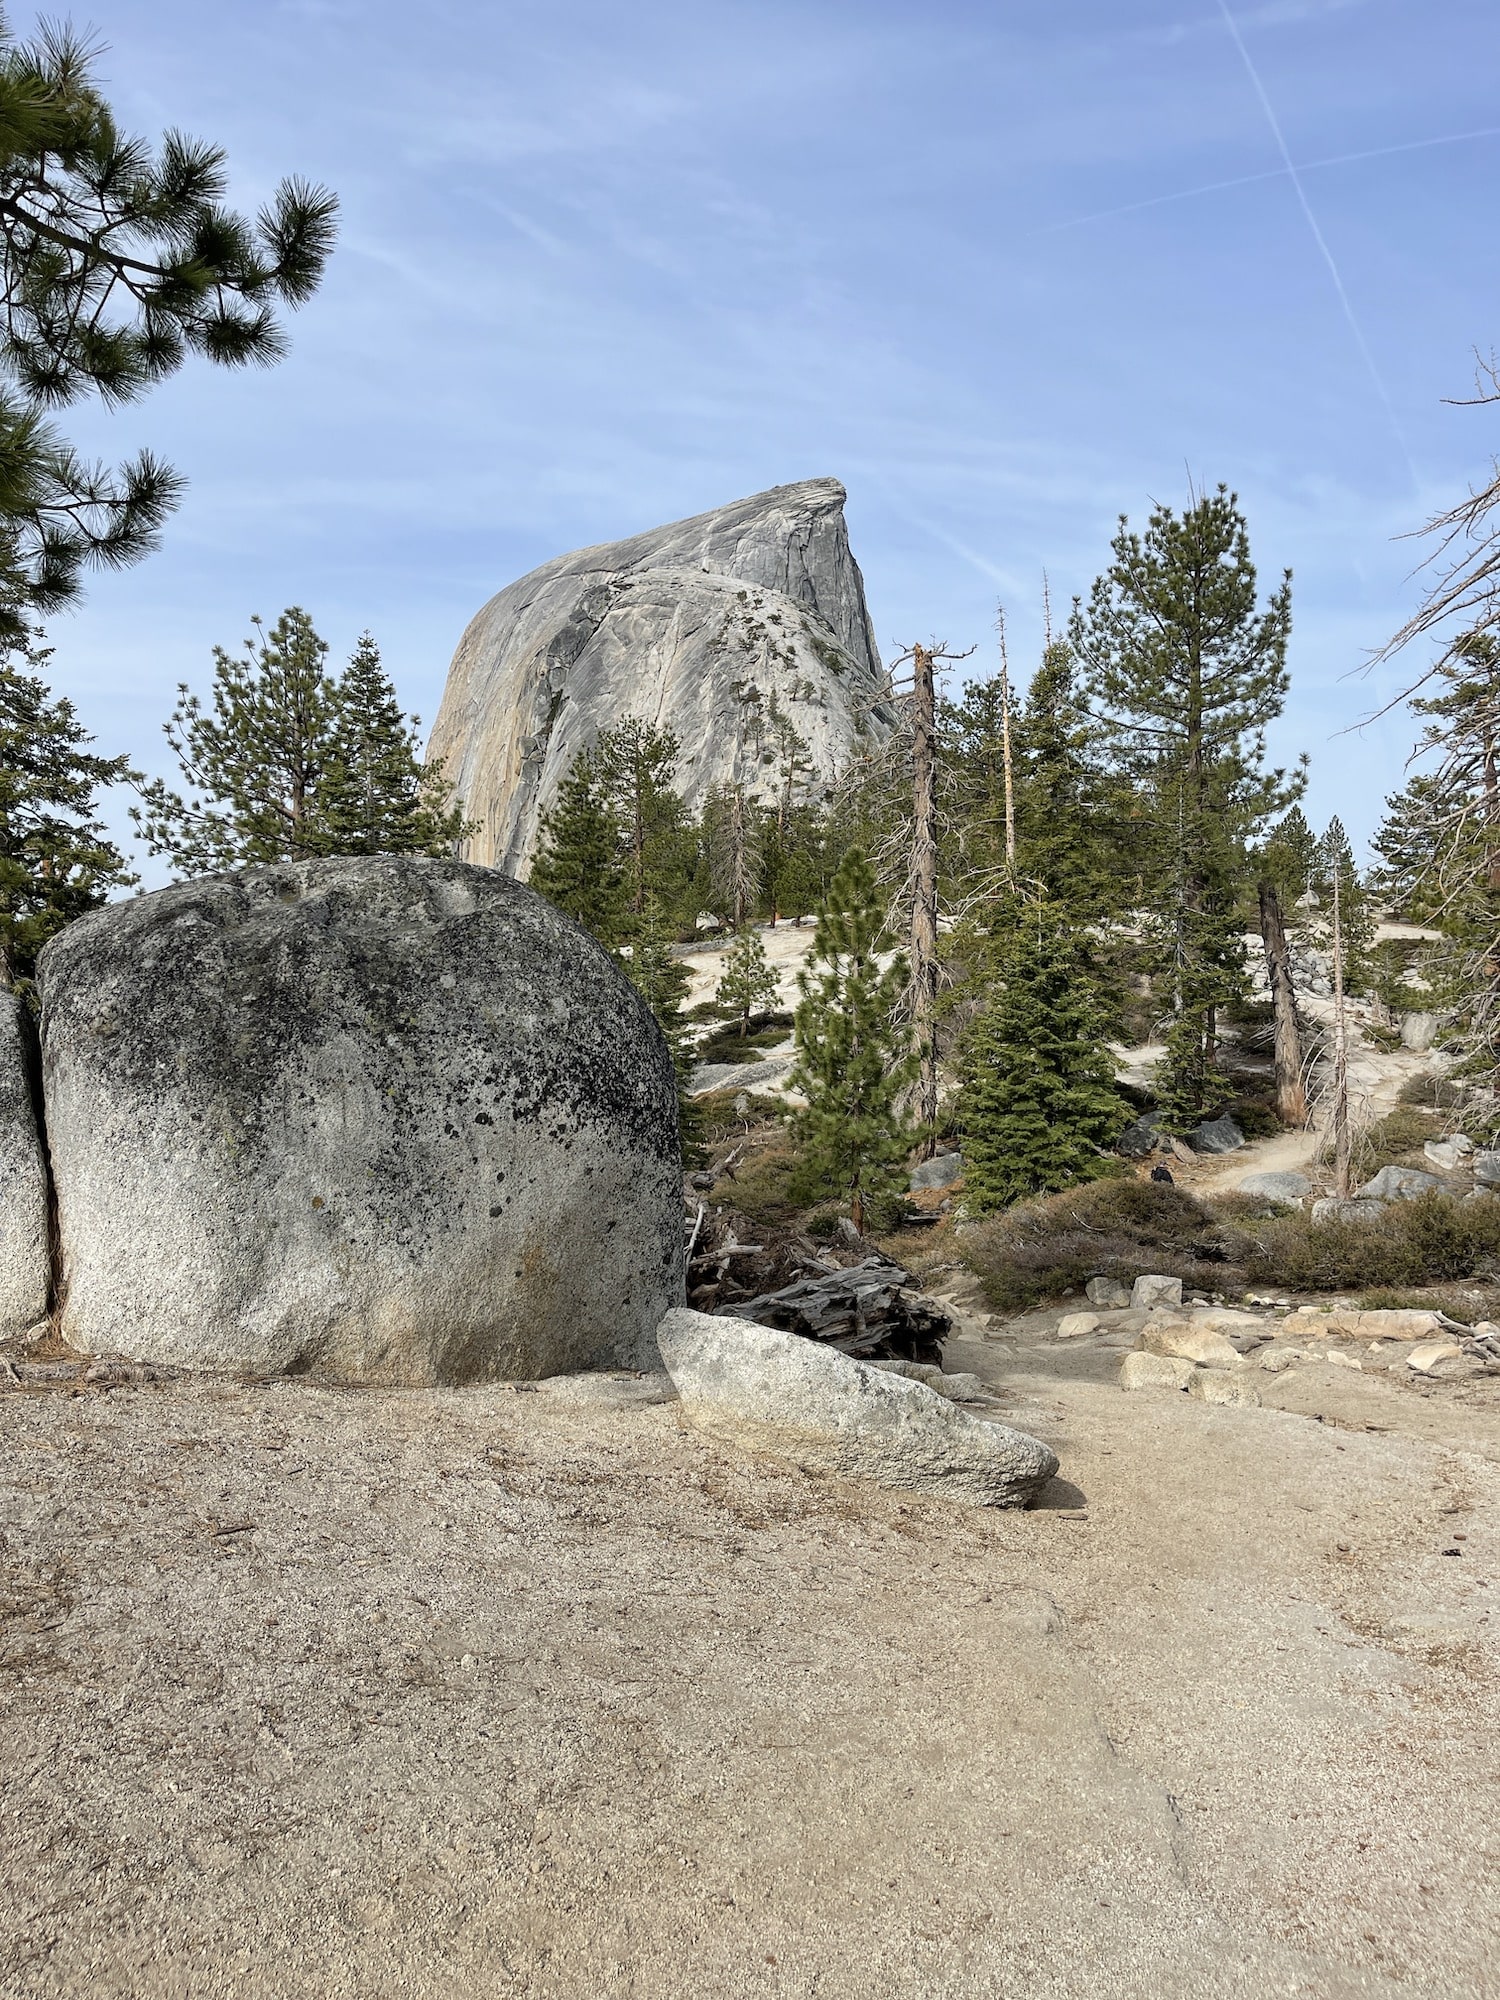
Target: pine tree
119	262
1285	868
291	763
662	980
253	767
853	1061
636	765
1412	842
578	864
1334	857
56	861
1187	669
747	985
376	795
1038	1100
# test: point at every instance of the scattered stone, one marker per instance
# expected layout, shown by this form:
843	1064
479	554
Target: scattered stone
800	1400
943	1170
1285	1187
23	1179
1399	1184
1211	1386
957	1388
1216	1135
1432	1355
1138	1140
1199	1344
1387	1323
1155	1371
1072	1325
1448	1155
1487	1169
383	1119
1340	1357
1277	1359
1333	1208
1418	1030
1153	1290
1107	1292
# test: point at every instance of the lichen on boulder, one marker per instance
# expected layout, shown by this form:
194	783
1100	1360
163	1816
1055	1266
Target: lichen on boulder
383	1119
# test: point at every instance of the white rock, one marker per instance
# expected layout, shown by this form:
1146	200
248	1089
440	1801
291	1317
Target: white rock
701	625
23	1180
1447	1155
1071	1325
1399	1184
1431	1355
1286	1186
1201	1345
1210	1386
1341	1358
1107	1292
1156	1291
1155	1371
1276	1360
283	1142
797	1399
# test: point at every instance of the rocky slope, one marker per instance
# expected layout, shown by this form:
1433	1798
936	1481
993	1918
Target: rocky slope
698	628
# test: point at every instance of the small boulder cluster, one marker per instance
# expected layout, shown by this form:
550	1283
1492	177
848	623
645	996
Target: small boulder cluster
1215	1352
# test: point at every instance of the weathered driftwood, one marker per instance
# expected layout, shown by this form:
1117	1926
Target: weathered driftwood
870	1310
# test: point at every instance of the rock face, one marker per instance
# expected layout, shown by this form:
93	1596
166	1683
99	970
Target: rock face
23	1182
1216	1135
797	1399
388	1120
697	628
1399	1184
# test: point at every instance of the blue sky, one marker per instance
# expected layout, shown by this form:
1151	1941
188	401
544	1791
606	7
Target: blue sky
1007	269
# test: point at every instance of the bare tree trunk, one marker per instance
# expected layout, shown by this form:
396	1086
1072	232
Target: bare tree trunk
1341	1145
1291	1093
1010	784
924	912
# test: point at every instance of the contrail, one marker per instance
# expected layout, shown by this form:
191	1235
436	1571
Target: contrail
1272	174
1295	177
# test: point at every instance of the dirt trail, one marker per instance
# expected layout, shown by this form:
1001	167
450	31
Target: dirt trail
333	1694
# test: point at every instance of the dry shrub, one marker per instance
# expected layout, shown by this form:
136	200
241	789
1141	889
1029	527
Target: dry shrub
1428	1242
1115	1228
1395	1140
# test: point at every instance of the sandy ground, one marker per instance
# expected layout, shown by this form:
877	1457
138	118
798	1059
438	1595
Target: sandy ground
324	1693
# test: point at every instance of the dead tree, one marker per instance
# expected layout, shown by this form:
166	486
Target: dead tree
1010	782
923	989
1341	1144
1291	1091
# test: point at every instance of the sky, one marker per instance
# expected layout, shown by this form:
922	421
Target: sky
1008	269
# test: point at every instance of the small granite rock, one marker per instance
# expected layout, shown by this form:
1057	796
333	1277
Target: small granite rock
1216	1135
943	1170
1448	1155
1199	1344
1211	1386
1399	1184
1138	1140
1487	1169
1340	1357
803	1401
957	1388
1153	1290
1071	1325
1431	1356
1276	1359
1107	1292
1286	1187
1155	1371
1333	1208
